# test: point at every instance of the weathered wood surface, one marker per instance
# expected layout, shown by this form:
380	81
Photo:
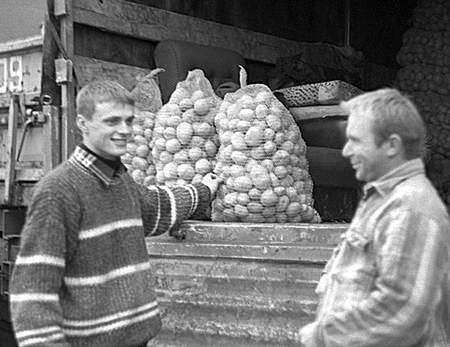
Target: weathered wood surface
91	69
154	24
311	112
68	127
262	242
11	146
239	284
300	233
234	269
266	252
51	138
103	45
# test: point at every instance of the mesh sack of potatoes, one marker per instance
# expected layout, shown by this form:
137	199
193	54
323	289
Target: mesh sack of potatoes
138	158
434	108
432	15
424	78
261	160
185	141
424	47
146	93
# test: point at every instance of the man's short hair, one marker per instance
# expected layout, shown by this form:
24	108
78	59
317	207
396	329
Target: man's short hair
101	91
391	113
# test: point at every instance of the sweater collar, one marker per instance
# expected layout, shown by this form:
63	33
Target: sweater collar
95	165
385	184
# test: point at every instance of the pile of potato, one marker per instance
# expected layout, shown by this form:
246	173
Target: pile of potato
425	57
147	98
261	161
185	141
138	159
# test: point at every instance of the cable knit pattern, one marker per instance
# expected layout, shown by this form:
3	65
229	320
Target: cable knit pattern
82	275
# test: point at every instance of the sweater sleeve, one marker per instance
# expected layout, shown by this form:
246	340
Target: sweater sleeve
38	273
164	208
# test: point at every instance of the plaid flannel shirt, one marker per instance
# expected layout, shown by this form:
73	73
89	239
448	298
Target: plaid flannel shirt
387	282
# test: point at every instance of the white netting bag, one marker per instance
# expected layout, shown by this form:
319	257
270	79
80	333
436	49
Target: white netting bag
261	160
138	159
185	141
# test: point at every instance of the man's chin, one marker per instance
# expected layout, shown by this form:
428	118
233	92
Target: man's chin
359	176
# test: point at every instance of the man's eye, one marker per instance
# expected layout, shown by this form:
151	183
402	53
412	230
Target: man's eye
111	121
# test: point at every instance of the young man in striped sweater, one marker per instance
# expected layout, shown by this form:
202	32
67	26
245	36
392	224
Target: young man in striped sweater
82	276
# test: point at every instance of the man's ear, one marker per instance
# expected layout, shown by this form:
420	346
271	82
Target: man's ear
395	145
81	123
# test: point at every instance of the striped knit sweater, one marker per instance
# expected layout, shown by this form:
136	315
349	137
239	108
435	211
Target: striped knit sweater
82	276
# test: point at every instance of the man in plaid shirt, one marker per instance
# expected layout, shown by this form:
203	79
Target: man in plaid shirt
387	283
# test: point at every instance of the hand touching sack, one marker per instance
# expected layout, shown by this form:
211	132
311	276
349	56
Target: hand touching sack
212	182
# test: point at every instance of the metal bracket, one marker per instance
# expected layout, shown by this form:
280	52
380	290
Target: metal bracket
63	70
60	8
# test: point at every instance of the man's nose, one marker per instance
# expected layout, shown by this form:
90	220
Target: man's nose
125	128
346	150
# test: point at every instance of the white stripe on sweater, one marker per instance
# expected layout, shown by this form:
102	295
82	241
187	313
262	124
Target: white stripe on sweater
107	228
101	279
196	199
108	319
112	326
40	259
191	191
41	340
158	211
42	331
173	207
33	297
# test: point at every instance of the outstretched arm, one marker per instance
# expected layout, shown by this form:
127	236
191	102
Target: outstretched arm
165	208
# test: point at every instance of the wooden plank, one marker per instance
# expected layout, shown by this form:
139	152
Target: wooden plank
49	88
310	112
11	150
236	268
90	69
300	233
256	251
154	24
52	149
112	47
68	88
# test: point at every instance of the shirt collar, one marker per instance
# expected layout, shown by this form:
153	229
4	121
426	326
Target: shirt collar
385	184
95	165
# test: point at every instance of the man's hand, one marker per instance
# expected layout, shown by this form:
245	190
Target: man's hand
212	182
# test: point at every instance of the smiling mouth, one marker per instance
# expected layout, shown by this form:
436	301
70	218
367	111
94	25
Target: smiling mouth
119	141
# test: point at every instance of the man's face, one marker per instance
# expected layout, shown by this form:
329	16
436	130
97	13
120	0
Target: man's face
106	134
367	159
